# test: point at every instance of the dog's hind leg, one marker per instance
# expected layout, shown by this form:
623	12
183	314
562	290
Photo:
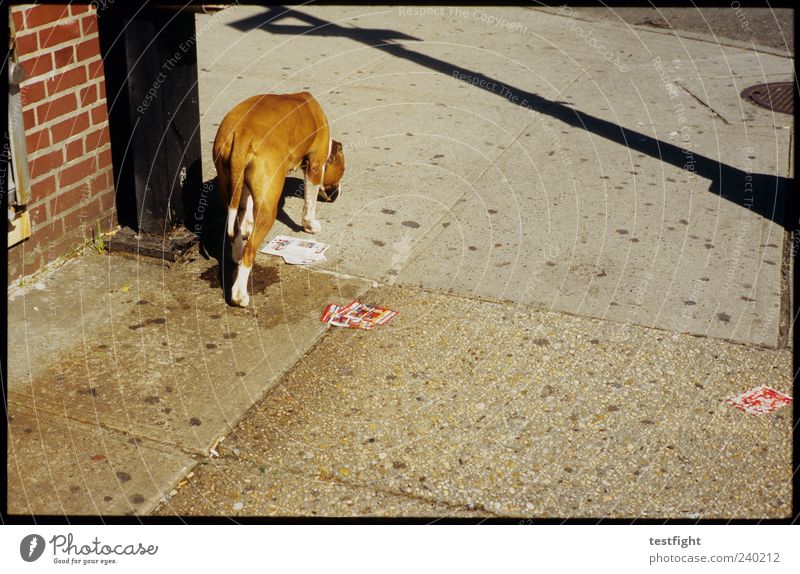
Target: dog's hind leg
264	209
243	224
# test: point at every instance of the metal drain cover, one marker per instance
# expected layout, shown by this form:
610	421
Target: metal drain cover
775	96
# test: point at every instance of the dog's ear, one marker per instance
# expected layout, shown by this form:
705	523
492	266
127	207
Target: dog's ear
336	149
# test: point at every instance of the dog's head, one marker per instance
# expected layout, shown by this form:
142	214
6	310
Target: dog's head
334	170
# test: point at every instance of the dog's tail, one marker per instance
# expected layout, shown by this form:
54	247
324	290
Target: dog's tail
239	160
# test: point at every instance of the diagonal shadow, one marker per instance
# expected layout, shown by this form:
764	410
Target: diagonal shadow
762	193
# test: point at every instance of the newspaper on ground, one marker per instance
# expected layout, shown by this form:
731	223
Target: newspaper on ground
357	315
295	250
760	400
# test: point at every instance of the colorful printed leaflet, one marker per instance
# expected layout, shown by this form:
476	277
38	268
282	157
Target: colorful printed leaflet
760	400
296	251
357	315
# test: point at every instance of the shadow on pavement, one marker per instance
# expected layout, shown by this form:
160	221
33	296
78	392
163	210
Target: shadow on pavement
762	193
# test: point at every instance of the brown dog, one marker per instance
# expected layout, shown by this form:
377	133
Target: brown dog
258	143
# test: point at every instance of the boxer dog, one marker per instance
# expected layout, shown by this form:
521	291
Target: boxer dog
258	143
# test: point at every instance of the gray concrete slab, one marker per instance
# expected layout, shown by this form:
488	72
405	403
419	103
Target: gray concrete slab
180	366
501	410
58	466
157	355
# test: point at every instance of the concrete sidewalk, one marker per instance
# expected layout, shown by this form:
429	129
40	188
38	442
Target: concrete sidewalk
558	210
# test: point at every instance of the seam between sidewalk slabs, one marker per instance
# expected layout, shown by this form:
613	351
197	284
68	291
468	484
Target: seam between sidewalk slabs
673	32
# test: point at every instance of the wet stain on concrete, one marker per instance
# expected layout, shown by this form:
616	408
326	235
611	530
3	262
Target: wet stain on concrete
123	476
411	224
157	321
215	316
262	277
231	335
210	346
683	222
152	400
195	422
137	499
622	231
689	302
378	243
388	211
724	317
472	248
542	342
241	373
748	299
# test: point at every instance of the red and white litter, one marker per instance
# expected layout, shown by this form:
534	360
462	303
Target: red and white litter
759	401
357	315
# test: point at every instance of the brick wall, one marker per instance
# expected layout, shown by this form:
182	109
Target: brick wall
66	131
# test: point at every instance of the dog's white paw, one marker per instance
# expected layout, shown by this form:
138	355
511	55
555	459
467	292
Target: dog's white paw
312	225
240	299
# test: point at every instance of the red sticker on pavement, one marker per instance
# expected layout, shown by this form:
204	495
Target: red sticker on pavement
760	400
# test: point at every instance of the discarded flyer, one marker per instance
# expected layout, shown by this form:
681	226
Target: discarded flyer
760	400
357	315
296	251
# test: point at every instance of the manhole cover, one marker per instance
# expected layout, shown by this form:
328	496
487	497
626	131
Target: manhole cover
776	96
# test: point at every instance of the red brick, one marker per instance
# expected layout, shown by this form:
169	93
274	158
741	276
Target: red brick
99	114
64	56
109	178
104	158
95	69
38	213
66	80
37	141
25	44
59	34
47	231
74	150
44	14
42	188
102	87
97	139
78	8
88	95
17	18
37	66
71	127
46	163
32	93
98	184
108	200
29	119
77	172
83	216
89	24
65	201
88	49
56	107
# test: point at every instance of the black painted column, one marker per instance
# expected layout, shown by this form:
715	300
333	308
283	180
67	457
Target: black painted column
151	81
